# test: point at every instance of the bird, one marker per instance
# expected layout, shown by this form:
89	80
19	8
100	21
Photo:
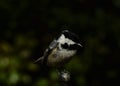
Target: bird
61	50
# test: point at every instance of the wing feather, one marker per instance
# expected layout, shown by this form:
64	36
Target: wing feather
44	58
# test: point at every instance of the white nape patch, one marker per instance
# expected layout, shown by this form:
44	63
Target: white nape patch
64	40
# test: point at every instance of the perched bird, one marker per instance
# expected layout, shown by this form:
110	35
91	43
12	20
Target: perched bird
60	50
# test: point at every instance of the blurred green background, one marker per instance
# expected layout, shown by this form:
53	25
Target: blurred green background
28	26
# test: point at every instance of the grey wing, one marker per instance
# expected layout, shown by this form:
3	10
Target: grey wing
39	60
52	45
47	52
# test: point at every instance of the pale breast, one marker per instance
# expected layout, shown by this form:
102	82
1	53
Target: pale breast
57	57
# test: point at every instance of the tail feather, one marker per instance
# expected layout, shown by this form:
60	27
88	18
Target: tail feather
39	60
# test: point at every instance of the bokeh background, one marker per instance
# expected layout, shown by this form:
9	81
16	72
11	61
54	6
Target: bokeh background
28	26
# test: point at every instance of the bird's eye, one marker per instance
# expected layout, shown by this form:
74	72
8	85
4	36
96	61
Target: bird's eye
64	45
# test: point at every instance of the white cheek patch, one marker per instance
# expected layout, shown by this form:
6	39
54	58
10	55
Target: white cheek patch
69	41
64	40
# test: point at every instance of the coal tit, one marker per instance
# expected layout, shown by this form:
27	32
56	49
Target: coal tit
61	50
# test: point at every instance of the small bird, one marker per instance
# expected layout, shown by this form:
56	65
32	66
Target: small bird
60	50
